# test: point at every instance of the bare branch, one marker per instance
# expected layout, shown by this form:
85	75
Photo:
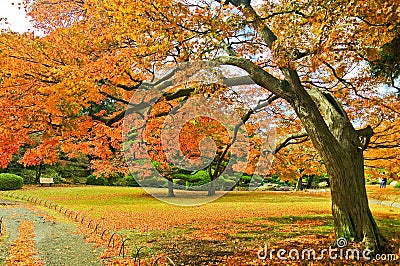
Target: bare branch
228	48
288	139
257	74
114	98
297	12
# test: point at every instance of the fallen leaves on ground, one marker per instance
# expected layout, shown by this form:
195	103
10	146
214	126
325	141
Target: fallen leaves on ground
22	251
229	231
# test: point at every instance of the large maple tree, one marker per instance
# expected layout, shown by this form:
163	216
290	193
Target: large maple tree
68	89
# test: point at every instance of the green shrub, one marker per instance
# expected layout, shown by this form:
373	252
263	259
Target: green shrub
120	182
181	182
10	181
154	182
97	181
130	181
29	176
199	179
274	179
397	185
76	180
111	180
59	180
245	180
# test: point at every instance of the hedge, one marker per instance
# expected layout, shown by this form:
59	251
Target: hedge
96	181
10	181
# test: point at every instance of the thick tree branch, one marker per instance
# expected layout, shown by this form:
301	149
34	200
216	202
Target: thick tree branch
119	116
255	20
228	48
365	135
300	135
127	87
257	74
297	12
162	84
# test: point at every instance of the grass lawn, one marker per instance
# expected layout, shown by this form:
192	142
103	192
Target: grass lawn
227	231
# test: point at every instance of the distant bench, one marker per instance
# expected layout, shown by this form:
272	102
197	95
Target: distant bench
48	180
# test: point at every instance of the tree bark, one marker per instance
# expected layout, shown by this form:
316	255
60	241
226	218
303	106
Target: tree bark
309	181
213	177
38	173
299	184
170	188
211	188
341	150
352	216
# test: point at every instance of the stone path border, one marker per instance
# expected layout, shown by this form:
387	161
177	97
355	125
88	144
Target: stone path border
116	240
56	242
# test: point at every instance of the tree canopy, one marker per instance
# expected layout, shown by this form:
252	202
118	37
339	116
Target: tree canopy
94	54
68	89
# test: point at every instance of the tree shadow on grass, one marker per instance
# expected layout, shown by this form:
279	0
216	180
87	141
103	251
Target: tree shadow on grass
238	241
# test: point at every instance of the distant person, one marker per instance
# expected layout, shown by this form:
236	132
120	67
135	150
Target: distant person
380	182
384	181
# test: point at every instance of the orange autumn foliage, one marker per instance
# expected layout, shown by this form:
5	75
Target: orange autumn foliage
96	53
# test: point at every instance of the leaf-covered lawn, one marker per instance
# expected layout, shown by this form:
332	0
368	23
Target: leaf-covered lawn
228	231
132	208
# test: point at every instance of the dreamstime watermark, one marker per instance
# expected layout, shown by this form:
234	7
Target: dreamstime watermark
333	253
156	144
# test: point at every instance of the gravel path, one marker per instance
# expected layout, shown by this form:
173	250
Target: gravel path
386	203
394	204
56	242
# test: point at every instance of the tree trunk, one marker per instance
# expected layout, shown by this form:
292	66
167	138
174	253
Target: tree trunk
213	176
299	184
352	216
38	173
170	188
211	188
309	181
341	150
